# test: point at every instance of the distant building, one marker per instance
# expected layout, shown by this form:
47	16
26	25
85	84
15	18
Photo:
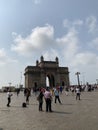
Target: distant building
21	86
6	88
35	76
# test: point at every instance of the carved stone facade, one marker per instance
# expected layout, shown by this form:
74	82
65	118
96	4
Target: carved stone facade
35	76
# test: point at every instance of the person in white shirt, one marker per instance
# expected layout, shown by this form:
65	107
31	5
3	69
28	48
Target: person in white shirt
48	98
56	93
9	94
78	92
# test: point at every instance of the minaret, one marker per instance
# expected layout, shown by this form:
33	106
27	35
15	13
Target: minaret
41	58
57	60
37	62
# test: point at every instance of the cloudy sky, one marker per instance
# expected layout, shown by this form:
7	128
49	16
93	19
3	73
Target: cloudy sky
64	28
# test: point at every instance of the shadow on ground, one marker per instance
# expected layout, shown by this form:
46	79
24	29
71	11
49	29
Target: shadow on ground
61	112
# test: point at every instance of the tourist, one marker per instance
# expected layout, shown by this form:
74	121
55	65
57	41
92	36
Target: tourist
78	92
40	100
61	89
9	95
18	91
56	94
28	92
66	90
48	99
72	89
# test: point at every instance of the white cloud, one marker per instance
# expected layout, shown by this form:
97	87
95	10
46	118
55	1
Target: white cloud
68	47
78	22
2	53
37	1
91	23
72	24
69	44
4	59
66	23
83	59
94	43
50	55
41	38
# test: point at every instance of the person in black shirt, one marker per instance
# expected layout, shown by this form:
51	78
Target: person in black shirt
40	100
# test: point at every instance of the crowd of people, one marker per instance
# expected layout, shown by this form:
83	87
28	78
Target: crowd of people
48	94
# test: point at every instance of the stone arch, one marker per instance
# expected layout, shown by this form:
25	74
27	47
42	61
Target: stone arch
51	79
58	76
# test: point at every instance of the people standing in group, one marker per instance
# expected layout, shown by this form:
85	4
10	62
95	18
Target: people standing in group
48	100
56	94
9	95
78	93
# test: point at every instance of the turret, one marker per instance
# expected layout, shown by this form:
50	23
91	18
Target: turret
37	62
41	58
57	60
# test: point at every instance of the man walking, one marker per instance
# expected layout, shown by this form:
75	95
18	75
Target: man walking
9	94
56	93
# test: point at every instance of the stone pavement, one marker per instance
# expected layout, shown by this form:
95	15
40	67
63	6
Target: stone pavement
71	115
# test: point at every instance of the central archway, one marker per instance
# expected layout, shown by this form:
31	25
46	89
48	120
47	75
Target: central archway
50	80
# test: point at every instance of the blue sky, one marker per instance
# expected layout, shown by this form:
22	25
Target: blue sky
64	28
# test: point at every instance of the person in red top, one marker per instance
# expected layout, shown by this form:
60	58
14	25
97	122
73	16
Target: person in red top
48	98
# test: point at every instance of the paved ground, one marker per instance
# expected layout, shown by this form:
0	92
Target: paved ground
71	115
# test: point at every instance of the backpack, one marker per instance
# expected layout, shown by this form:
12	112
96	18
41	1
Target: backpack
24	104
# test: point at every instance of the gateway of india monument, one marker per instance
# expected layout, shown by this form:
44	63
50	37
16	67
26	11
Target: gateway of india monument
35	76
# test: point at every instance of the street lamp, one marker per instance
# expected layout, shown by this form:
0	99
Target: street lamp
97	81
78	73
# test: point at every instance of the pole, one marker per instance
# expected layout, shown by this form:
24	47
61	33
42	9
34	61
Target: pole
78	73
97	81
